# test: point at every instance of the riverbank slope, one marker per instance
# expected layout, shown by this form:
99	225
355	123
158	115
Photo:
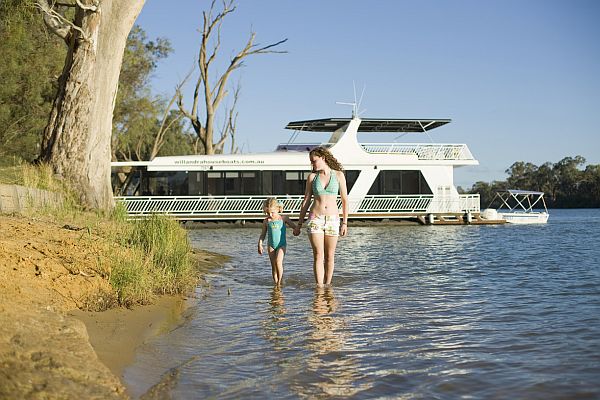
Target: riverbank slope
48	273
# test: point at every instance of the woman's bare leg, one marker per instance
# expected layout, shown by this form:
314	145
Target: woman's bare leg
317	243
329	253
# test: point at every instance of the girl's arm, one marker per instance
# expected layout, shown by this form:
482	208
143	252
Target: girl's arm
263	234
305	203
289	222
344	198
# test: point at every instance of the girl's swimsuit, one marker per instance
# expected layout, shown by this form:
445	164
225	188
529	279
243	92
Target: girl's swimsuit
327	224
276	234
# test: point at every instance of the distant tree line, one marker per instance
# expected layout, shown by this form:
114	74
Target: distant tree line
564	183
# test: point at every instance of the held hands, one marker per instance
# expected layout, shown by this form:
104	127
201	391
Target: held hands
297	229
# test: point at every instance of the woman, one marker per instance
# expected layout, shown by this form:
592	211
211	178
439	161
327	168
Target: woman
324	225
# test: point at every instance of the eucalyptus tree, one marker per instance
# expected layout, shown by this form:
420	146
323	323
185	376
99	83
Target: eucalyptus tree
76	141
520	175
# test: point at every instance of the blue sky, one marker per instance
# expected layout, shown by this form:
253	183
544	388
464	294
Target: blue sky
520	79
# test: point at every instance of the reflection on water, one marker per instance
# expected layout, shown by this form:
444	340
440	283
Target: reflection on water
335	370
274	323
414	312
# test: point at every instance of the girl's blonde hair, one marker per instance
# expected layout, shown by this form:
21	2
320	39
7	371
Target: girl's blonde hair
330	160
270	203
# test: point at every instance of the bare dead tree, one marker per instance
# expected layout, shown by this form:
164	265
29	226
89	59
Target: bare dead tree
230	127
212	96
159	138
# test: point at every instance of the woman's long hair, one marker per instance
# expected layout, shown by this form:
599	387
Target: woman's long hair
330	160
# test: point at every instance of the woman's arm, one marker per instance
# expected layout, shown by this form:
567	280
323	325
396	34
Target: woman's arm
344	198
263	234
305	202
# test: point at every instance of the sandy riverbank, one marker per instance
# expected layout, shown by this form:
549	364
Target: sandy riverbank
49	348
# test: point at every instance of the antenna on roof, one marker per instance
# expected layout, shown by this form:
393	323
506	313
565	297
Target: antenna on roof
356	104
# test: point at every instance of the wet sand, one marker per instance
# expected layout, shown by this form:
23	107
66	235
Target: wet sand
116	333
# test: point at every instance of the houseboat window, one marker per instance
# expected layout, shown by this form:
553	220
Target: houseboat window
128	183
399	182
294	182
165	183
250	184
409	181
424	186
196	184
288	182
278	183
351	177
267	183
215	184
232	183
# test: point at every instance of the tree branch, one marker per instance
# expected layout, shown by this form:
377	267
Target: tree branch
58	24
160	135
93	7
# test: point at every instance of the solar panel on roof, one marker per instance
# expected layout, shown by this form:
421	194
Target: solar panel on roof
368	125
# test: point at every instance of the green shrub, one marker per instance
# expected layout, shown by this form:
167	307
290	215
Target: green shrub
129	277
163	266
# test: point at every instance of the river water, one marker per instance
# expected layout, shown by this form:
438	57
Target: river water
414	312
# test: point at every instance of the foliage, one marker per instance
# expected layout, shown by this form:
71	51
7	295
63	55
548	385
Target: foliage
564	183
31	62
138	113
158	261
32	59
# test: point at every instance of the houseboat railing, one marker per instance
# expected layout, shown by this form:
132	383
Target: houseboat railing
240	207
394	204
447	204
427	151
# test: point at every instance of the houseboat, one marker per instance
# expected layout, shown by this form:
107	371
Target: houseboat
391	181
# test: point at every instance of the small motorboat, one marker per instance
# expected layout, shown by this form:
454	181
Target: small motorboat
519	207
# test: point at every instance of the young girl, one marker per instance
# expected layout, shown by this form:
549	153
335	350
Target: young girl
274	228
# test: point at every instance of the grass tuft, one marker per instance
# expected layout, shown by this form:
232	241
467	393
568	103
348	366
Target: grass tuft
146	257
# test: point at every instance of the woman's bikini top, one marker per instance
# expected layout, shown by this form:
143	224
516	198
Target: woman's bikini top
332	188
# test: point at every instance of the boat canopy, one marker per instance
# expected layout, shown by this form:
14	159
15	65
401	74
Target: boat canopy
368	125
522	192
519	200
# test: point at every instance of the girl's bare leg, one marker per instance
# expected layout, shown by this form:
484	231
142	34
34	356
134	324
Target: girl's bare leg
273	259
279	265
329	254
276	258
318	244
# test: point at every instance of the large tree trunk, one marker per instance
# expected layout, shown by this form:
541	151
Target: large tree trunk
76	142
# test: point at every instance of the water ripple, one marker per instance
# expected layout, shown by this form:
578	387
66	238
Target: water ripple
415	312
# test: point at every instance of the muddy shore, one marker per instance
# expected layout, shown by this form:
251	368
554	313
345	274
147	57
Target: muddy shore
49	347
